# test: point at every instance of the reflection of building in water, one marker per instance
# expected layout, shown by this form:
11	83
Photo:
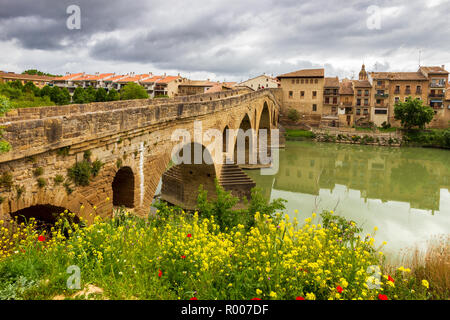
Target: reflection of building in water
378	173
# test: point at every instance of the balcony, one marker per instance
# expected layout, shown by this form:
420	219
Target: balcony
380	86
436	95
437	85
383	96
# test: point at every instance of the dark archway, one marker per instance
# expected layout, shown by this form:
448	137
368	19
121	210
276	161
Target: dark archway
123	188
264	126
244	135
181	182
225	138
45	215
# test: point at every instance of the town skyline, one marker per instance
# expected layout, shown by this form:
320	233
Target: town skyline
265	37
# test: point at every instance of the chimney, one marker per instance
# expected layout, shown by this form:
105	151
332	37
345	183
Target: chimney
443	66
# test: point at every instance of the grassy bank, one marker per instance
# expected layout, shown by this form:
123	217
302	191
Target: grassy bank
178	255
435	138
298	134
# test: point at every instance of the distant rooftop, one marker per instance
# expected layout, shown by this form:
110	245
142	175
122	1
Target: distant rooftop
306	73
398	76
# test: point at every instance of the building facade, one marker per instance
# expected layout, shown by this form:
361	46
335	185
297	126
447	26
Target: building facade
260	82
38	81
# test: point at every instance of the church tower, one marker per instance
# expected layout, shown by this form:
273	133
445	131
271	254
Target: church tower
363	74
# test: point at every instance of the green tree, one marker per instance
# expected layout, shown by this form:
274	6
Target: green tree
412	113
100	95
46	91
29	87
16	84
80	96
60	96
34	72
5	105
113	95
133	91
91	94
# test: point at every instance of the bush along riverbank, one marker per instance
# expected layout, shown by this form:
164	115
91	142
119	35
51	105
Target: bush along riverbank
432	138
207	254
359	138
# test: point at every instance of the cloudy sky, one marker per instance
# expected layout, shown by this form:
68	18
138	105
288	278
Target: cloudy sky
218	39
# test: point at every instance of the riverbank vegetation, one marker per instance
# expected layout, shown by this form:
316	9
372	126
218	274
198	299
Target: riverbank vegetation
435	138
298	134
180	255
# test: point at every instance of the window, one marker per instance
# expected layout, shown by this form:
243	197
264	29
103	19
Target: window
335	101
293	81
333	109
297	81
397	99
378	101
316	81
314	107
397	89
291	94
358	102
366	111
302	94
380	83
419	89
314	94
311	81
302	81
366	92
359	92
358	112
366	102
327	100
380	111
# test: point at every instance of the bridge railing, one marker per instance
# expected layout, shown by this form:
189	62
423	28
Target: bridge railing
57	111
36	130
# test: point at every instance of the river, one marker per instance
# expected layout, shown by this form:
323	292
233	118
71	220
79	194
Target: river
404	192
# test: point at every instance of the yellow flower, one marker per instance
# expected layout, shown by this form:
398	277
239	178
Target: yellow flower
273	294
258	292
425	284
310	296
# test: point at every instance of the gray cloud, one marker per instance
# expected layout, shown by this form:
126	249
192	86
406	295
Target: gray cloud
232	38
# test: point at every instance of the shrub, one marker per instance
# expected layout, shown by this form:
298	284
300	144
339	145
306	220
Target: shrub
58	179
80	173
38	172
293	115
6	180
20	191
41	182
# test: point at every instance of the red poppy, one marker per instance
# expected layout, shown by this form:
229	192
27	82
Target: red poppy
390	279
339	289
255	299
160	273
41	238
382	297
183	257
189	235
299	298
193	298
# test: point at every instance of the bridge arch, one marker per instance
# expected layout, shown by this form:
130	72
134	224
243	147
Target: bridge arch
123	187
249	139
181	182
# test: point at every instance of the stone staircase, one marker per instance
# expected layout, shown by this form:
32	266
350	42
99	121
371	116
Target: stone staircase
233	179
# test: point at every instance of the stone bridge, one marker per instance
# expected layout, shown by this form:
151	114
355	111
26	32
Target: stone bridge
132	140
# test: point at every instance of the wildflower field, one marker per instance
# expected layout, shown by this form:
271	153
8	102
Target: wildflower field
176	255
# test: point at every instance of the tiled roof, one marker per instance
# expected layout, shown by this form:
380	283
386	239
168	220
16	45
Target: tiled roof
198	83
361	84
151	80
71	76
115	78
168	79
96	77
12	75
346	87
433	70
398	76
134	78
304	73
331	82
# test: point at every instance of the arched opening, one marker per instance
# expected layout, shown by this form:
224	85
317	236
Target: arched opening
45	215
225	139
244	144
181	182
264	126
123	188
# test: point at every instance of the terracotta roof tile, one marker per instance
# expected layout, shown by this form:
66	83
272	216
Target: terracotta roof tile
151	80
306	73
434	70
398	76
331	82
346	87
361	84
71	76
168	79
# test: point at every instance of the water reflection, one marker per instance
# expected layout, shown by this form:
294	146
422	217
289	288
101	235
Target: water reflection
402	191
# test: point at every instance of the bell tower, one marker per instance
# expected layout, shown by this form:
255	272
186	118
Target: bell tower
363	74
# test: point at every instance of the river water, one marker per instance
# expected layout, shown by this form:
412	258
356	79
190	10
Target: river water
404	192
